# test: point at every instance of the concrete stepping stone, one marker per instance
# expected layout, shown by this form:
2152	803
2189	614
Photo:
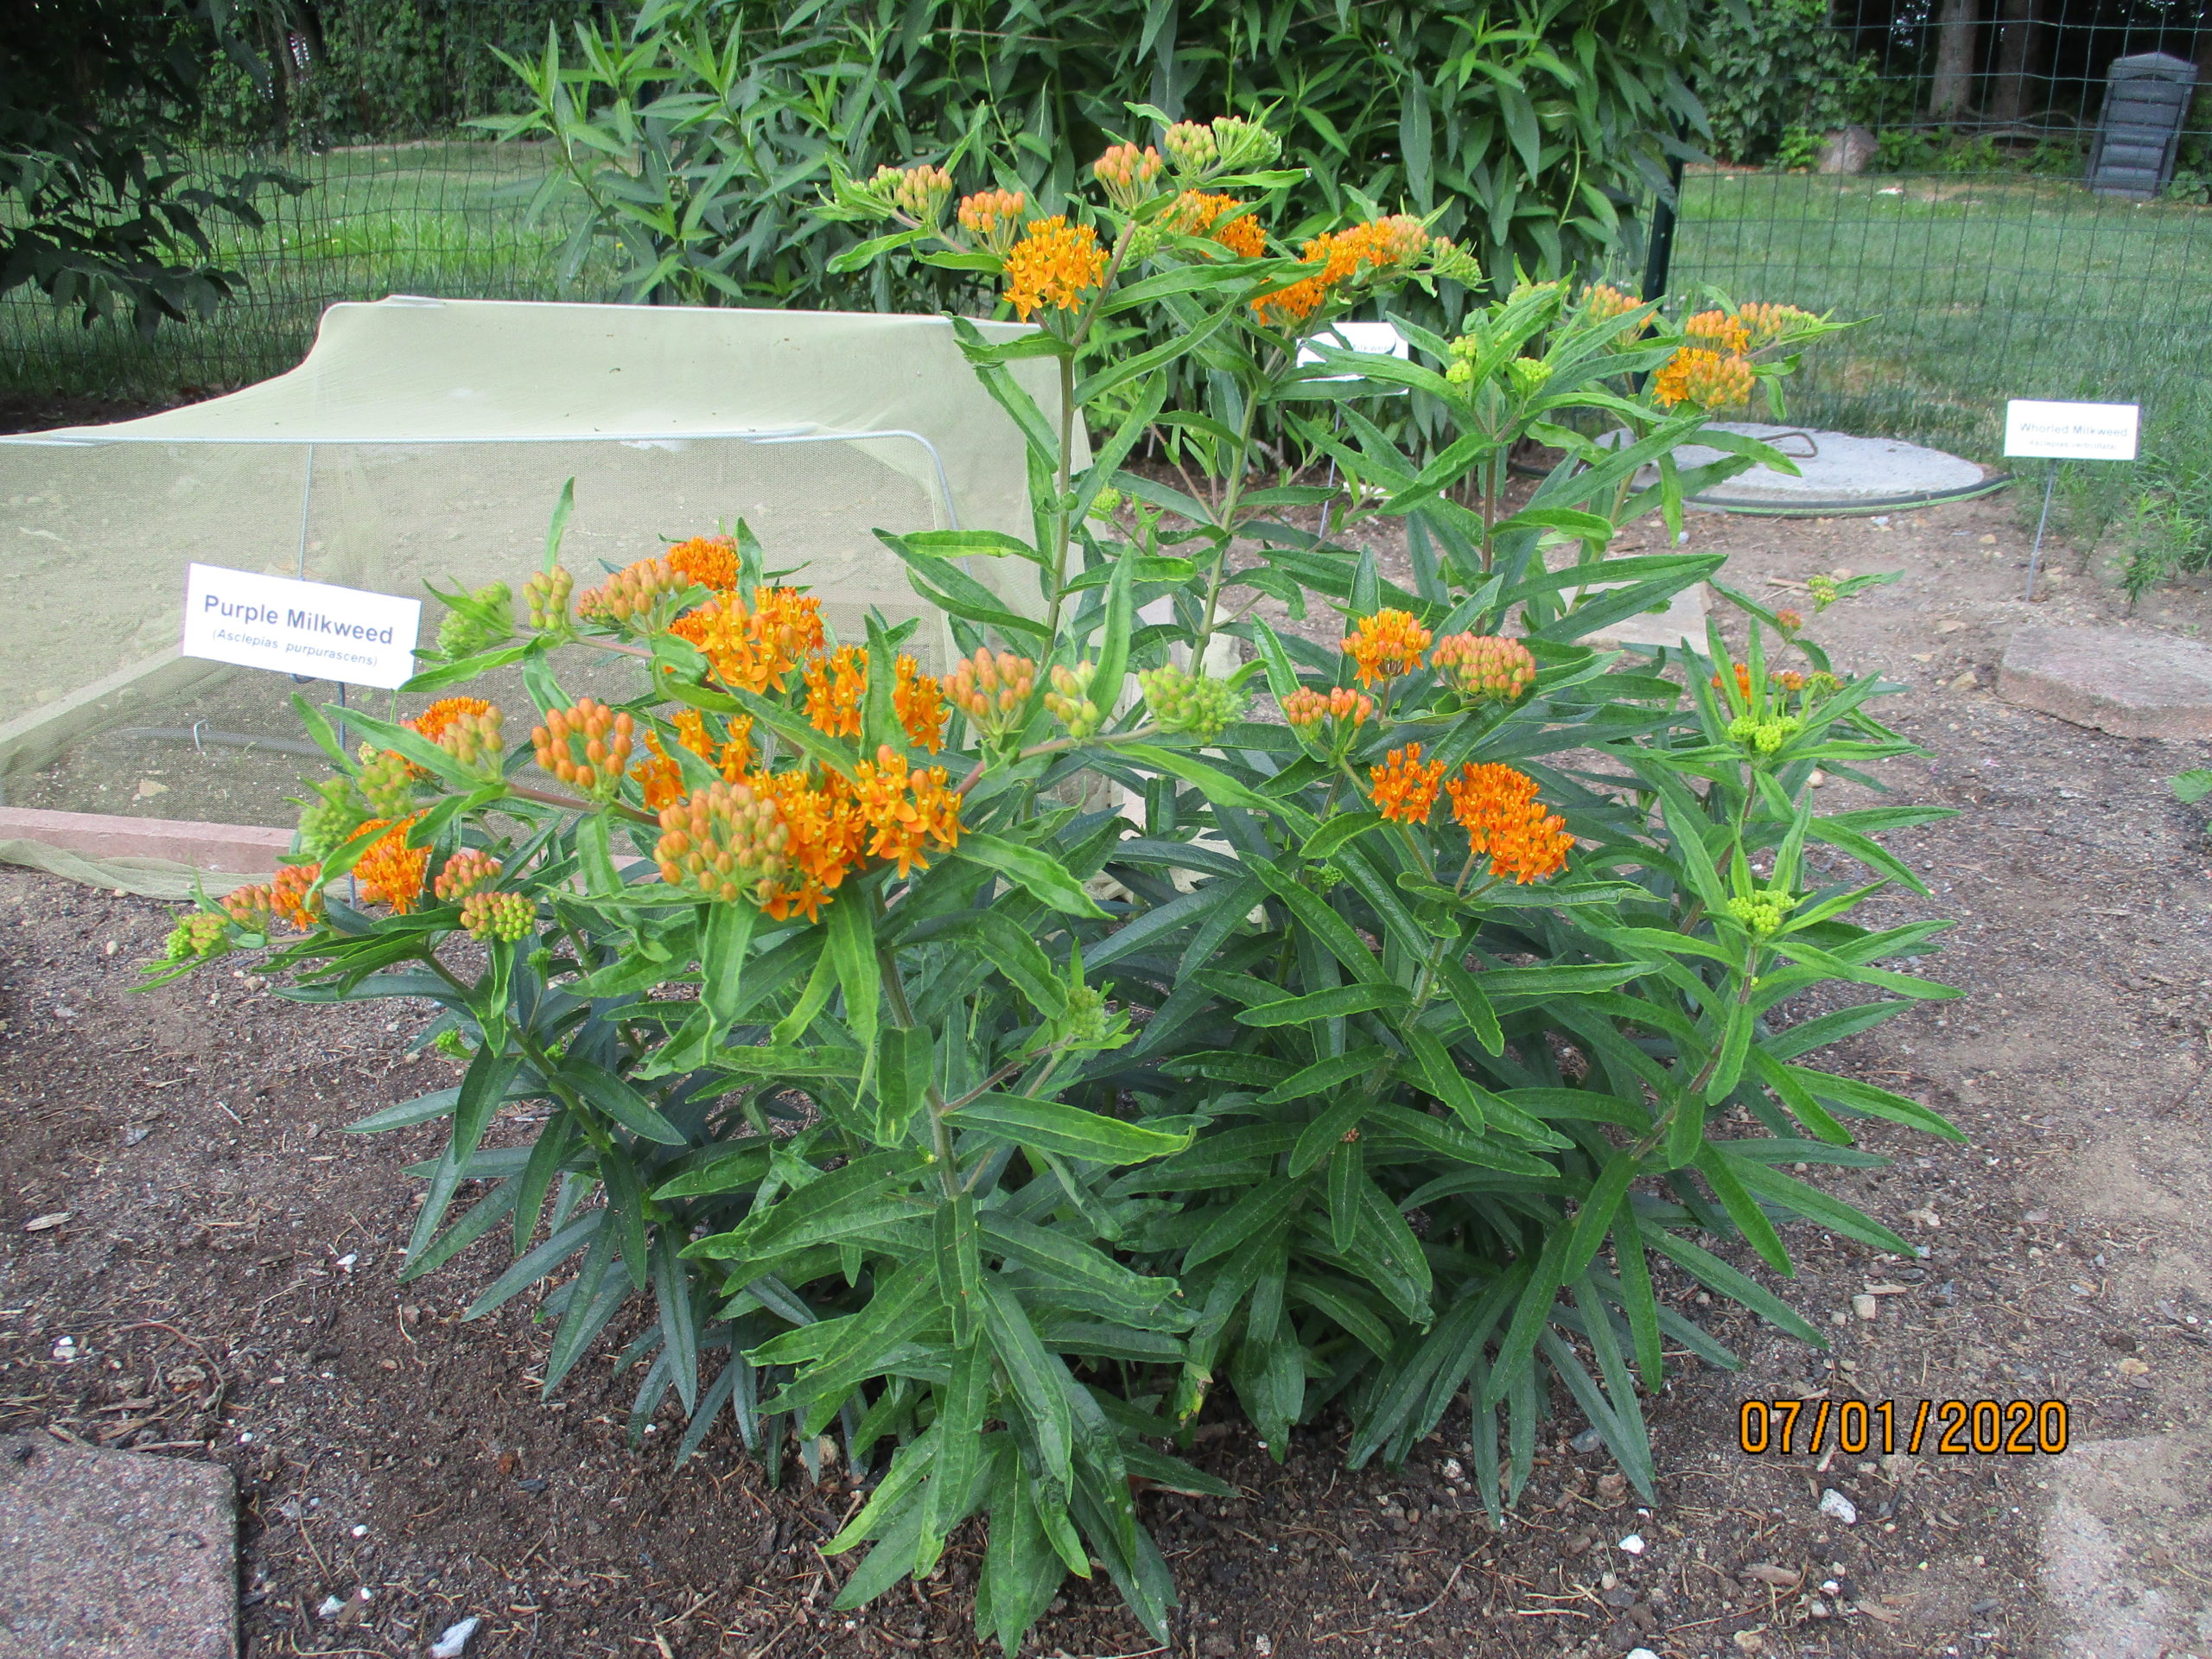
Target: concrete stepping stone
2120	680
115	1554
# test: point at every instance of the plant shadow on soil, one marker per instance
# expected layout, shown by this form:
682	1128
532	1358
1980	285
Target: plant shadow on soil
226	1278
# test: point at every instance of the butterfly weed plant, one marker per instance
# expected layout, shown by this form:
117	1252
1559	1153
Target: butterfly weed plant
1000	1062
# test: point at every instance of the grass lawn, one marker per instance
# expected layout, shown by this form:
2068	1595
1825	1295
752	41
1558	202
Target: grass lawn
1975	290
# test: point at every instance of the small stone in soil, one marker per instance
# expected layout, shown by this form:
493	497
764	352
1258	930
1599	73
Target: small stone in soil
448	1646
1835	1504
1588	1440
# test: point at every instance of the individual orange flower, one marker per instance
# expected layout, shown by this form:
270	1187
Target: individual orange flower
708	561
754	647
1401	787
994	218
391	872
658	776
732	756
907	812
834	686
1055	264
1306	707
1498	809
1488	666
432	720
1387	645
1709	379
1718	332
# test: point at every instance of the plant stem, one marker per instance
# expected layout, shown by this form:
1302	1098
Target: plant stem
894	991
547	798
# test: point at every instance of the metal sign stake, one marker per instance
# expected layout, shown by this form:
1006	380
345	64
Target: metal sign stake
2035	553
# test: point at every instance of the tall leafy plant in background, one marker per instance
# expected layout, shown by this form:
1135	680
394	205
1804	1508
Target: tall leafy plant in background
702	133
902	1074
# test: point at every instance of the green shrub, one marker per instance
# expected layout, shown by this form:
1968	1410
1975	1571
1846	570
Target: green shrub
1773	65
900	1084
702	133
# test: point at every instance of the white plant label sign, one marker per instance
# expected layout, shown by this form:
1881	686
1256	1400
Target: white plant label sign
1375	339
300	628
2036	429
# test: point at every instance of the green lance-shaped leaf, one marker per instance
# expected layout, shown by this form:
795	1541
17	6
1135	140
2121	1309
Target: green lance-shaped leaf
959	1265
1054	1126
962	1407
1036	873
1036	1376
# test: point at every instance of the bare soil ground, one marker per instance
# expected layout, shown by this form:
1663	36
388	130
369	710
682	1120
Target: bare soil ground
223	1286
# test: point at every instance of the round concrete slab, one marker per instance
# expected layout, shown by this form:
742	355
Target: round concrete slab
1837	473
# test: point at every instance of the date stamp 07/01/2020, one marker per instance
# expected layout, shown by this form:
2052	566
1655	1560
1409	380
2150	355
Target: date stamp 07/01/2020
1950	1427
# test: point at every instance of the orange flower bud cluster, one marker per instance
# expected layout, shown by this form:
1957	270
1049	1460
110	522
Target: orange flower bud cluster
1387	645
1602	302
919	193
728	841
1484	666
994	218
1718	332
631	595
545	596
1128	173
470	870
993	691
705	562
1196	214
1788	621
391	872
754	647
1190	145
1788	679
585	745
1055	264
1707	379
503	916
1769	322
1498	809
251	907
1306	708
432	720
1404	788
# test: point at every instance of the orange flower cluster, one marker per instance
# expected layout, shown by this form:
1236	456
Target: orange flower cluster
1378	245
432	720
391	872
1388	644
586	745
731	755
907	812
1769	322
1498	809
827	835
1488	666
837	685
994	218
1743	682
1706	379
707	561
1305	708
1403	789
1197	213
1055	263
1717	331
290	896
1127	172
754	646
470	870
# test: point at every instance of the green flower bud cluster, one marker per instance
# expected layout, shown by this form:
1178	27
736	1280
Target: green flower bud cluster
1762	912
545	597
463	635
198	936
489	916
455	1046
1460	371
1182	702
1069	703
1765	736
327	820
1823	590
387	783
1527	375
1106	504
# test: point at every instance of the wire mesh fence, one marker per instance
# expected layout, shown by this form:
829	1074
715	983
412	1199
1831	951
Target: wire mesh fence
450	219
